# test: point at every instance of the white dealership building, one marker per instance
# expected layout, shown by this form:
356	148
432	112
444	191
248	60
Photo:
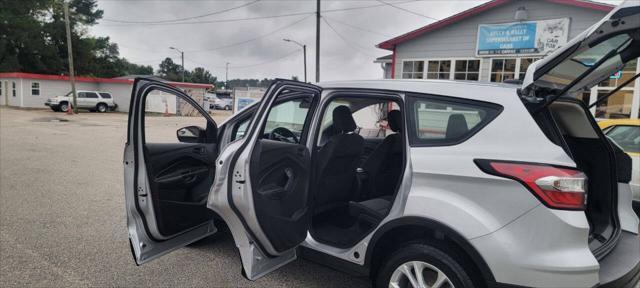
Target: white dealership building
497	41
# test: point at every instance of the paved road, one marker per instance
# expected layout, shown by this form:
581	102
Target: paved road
62	217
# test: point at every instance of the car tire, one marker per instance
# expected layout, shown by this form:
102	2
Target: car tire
227	107
64	106
102	108
433	262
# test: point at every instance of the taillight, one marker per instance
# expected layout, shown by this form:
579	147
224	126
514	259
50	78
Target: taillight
557	188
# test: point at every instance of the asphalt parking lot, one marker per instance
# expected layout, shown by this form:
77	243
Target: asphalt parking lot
62	216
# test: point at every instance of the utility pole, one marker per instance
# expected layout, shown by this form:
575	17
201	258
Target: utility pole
72	76
317	40
304	55
182	58
226	76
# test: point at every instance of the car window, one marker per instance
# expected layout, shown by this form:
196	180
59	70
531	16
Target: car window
627	137
240	129
286	121
437	121
91	95
166	114
105	95
79	95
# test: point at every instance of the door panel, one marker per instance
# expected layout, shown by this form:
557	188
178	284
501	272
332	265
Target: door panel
167	178
268	179
280	177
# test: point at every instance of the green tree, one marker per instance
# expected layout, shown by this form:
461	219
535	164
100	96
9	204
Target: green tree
170	70
33	39
201	75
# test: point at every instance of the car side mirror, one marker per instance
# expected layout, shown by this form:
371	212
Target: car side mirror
191	134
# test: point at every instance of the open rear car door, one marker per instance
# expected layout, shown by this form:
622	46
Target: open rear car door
588	59
167	173
262	187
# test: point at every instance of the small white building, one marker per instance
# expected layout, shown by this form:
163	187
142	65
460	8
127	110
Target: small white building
29	90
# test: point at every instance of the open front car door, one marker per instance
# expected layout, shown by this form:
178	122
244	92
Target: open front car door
168	173
262	184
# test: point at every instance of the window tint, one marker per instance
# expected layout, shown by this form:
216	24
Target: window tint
105	95
79	95
166	113
91	95
35	89
240	129
289	115
435	121
628	137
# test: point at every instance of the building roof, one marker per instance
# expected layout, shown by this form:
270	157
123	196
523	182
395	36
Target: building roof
391	43
384	59
94	79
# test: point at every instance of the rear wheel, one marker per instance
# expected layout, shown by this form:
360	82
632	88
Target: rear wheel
102	108
227	107
422	265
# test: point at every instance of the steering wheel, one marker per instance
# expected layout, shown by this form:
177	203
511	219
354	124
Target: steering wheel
283	134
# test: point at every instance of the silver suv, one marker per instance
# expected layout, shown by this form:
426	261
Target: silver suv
411	183
90	100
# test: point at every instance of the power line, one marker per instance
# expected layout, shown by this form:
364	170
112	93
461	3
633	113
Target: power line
352	45
253	18
269	61
407	10
252	39
214	21
357	27
181	19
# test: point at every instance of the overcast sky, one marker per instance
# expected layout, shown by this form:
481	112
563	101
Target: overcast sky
213	40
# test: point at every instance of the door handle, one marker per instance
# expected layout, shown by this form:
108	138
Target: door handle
199	150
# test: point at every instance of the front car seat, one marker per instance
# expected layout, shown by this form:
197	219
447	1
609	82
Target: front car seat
338	162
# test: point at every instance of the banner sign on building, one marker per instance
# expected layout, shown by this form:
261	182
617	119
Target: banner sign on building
522	38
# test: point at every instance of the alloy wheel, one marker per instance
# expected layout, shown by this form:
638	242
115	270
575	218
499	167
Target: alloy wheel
419	274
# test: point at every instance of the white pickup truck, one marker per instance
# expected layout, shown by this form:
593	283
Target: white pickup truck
90	100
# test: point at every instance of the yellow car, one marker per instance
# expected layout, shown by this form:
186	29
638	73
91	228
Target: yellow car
626	133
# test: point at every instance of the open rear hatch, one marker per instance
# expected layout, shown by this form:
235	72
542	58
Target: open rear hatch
552	90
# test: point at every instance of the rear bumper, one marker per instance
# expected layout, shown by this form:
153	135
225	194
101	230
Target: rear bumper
621	267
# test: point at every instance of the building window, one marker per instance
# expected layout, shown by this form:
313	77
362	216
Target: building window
619	104
524	65
13	89
1	88
412	69
439	69
35	89
467	70
502	69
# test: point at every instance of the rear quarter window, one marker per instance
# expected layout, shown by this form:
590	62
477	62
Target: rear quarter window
442	121
105	95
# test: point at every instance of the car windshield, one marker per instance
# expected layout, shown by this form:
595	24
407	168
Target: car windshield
627	137
573	67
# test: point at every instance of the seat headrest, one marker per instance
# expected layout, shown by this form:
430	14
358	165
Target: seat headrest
343	120
456	126
395	120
